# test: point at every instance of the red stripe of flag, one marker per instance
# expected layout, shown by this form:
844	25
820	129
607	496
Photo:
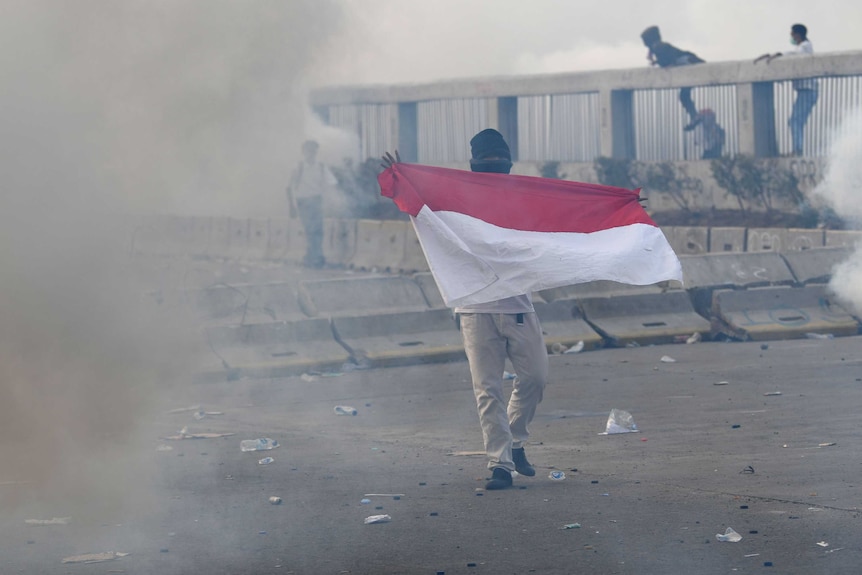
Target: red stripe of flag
515	202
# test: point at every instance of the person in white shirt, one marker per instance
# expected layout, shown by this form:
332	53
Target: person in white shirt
806	88
310	183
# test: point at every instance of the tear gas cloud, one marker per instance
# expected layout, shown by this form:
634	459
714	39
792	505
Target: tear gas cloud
841	186
112	110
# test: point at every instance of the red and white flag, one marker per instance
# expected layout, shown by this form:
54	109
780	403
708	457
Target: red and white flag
492	236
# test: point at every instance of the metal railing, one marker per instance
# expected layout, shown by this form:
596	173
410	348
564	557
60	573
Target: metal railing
577	117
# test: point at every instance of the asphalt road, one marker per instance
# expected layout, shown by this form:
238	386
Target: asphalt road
781	470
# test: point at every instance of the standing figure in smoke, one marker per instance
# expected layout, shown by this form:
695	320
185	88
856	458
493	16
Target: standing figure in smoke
667	55
806	88
492	332
309	185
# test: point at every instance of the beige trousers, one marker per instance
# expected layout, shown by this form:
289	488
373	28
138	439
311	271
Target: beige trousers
489	338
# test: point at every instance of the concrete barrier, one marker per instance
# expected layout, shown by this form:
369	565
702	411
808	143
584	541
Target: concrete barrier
258	239
564	326
339	240
277	349
704	274
238	230
815	265
220	236
779	313
278	241
600	288
361	296
727	240
414	258
783	240
735	270
429	289
644	319
390	339
379	244
843	238
687	239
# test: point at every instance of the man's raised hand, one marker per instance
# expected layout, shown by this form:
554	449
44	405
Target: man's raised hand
389	161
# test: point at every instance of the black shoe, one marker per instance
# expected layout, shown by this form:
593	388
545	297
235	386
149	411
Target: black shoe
500	479
522	466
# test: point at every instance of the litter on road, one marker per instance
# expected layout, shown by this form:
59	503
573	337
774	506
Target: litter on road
52	521
94	557
377	519
729	536
620	421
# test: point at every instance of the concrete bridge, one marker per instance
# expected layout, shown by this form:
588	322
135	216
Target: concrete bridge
573	118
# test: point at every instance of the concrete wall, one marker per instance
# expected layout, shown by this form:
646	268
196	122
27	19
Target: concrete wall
392	245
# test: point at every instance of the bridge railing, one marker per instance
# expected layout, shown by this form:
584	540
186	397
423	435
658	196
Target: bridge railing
575	117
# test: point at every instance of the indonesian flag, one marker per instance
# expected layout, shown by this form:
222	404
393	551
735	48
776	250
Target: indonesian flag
490	236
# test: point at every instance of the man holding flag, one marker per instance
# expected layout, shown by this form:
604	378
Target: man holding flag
490	240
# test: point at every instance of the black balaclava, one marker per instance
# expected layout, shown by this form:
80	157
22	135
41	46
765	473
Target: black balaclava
490	144
651	36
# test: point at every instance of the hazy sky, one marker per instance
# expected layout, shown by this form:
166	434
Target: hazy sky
421	40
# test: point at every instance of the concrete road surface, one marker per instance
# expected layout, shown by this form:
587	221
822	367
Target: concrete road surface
719	447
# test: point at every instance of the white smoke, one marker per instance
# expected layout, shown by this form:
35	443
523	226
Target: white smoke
841	186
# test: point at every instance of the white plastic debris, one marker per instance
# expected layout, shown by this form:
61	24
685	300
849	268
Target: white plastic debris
667	359
377	519
94	557
812	335
730	536
620	421
823	544
577	348
52	521
694	338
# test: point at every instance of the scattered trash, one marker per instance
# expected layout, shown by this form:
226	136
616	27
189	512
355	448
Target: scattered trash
633	344
52	521
184	434
823	544
830	444
667	359
186	409
769	393
306	377
265	461
508	375
201	414
620	421
466	453
377	519
577	348
748	469
571	526
720	383
365	501
735	426
834	550
556	475
811	335
764	346
94	557
392	495
164	447
729	536
767	563
344	410
260	444
695	337
752	555
275	500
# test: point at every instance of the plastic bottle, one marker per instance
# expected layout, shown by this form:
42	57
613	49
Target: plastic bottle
261	444
344	410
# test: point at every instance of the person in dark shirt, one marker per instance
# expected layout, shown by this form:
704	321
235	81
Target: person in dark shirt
667	55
